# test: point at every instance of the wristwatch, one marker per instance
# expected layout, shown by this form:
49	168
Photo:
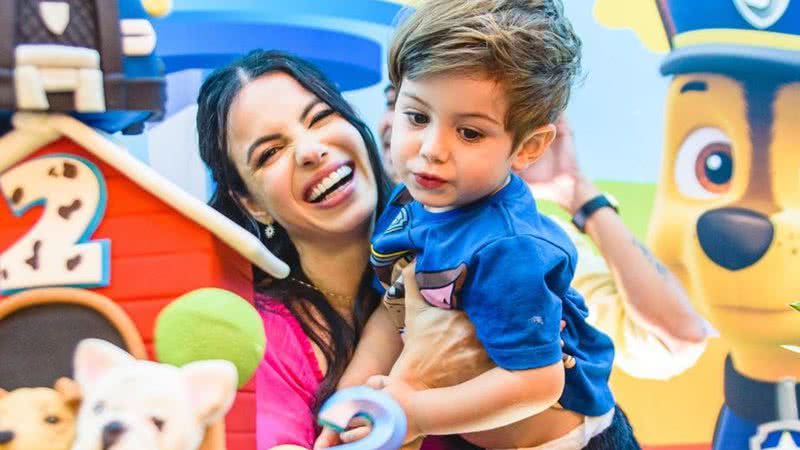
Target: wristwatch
589	208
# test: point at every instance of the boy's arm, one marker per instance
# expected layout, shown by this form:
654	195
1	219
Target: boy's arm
494	399
377	350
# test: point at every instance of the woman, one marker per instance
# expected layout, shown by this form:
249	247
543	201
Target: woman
295	165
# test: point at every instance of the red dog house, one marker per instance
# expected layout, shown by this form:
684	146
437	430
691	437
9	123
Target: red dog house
94	243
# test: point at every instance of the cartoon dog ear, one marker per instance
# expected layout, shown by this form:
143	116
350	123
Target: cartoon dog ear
70	391
212	388
94	358
3	392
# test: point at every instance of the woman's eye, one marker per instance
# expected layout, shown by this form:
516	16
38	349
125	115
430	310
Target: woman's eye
320	116
417	118
266	155
469	134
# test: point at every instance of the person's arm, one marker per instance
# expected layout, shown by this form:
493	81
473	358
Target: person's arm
653	296
645	290
377	350
494	399
516	314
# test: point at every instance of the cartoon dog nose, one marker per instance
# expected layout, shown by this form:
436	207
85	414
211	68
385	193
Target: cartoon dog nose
734	238
6	437
111	433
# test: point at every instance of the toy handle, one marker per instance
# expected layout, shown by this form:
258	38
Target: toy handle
388	419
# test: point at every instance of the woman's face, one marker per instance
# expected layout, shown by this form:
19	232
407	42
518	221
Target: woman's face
303	164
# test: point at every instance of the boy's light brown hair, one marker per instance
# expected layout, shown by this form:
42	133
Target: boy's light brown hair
528	46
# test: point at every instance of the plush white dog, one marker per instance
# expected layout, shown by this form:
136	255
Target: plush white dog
130	404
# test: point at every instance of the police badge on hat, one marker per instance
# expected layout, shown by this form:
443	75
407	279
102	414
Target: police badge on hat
761	13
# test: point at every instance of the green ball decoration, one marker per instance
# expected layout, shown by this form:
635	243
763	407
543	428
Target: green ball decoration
211	323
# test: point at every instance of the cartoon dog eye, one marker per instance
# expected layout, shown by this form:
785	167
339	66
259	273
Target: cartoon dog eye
52	420
704	166
159	423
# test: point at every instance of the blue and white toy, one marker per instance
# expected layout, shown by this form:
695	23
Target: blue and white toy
388	419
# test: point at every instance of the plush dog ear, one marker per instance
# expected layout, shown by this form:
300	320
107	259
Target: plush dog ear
3	392
94	358
70	391
212	388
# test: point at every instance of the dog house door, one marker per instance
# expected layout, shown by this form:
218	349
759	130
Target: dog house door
40	329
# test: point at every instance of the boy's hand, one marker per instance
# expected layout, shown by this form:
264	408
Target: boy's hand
402	393
358	429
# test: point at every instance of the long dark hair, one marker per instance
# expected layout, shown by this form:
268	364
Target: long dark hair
309	306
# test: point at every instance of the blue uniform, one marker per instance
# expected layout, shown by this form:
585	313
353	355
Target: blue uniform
509	268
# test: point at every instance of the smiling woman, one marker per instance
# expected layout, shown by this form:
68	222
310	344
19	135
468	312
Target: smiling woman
294	165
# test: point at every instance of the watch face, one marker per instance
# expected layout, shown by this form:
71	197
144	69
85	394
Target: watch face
612	200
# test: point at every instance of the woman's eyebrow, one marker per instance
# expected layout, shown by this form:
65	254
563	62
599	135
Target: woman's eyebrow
259	141
308	109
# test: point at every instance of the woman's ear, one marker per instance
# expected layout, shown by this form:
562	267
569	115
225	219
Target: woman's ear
252	208
534	146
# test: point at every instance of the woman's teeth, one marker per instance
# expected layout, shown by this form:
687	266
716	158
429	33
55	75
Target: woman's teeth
323	187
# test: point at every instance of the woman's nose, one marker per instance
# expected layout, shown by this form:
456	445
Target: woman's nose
310	155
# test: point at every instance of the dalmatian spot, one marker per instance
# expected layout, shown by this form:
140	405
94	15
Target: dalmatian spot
73	262
16	196
70	170
66	211
52	172
33	261
4	274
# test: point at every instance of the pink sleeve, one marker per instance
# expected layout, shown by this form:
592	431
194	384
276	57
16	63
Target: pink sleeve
286	381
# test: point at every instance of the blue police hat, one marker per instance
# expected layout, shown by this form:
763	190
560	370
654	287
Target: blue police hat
732	36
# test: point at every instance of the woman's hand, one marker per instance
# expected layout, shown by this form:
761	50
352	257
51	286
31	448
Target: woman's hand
441	348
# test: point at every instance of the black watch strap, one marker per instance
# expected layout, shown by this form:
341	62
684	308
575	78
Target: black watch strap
590	207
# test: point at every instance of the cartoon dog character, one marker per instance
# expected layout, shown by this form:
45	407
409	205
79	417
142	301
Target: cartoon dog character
39	418
133	404
727	209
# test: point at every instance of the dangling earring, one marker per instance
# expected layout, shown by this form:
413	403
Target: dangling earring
269	231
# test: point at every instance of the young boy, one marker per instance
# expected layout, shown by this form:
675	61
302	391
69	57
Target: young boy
480	83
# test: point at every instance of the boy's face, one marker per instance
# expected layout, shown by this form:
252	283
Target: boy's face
449	143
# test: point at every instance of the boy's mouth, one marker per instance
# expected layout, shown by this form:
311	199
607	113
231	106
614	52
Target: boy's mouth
429	181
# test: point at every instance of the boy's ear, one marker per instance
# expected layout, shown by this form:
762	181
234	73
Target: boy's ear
534	145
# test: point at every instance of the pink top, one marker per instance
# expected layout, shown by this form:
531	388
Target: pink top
287	380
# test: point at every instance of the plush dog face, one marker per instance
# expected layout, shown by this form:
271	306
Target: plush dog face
38	418
727	213
133	405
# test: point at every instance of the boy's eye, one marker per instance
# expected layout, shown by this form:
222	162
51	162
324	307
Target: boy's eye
469	134
417	118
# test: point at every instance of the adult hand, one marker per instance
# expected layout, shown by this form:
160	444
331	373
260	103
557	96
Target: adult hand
441	348
556	175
